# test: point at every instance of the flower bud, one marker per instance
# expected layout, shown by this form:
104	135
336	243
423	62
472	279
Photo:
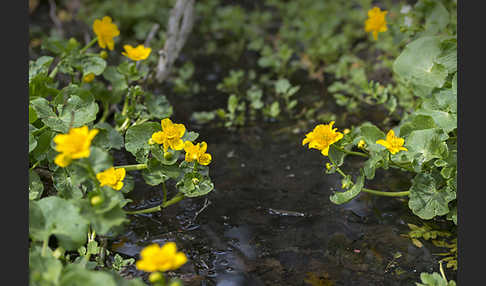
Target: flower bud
89	77
167	156
104	55
154	277
59	252
96	200
72	42
328	166
361	144
346	131
195	181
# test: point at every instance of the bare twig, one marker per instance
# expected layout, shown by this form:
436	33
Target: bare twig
206	204
181	20
54	18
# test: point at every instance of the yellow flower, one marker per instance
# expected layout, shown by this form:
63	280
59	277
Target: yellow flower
197	152
392	143
170	136
322	137
112	177
376	21
137	54
89	77
105	30
155	258
361	144
74	145
346	131
328	166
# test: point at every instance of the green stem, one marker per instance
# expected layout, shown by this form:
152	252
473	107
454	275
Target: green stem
134	167
164	190
93	41
35	165
386	194
124	125
352	152
179	197
39	130
44	246
54	71
106	111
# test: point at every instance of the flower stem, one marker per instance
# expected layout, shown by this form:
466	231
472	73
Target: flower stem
134	167
352	152
93	41
386	194
177	198
106	111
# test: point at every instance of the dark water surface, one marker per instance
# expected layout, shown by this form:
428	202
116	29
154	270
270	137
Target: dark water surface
269	220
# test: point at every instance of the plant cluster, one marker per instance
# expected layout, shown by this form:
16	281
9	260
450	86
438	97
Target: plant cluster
76	192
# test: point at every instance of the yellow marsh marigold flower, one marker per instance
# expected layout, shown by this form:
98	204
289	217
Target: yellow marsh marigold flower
170	136
137	54
155	258
322	137
105	30
376	21
74	145
197	152
89	77
392	143
112	177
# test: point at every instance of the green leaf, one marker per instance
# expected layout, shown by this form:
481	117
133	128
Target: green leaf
336	155
371	134
448	56
190	136
344	197
452	215
194	185
137	137
274	110
434	279
158	152
445	120
39	67
44	140
109	215
282	85
157	173
117	80
158	106
32	114
437	18
92	63
99	159
418	122
59	217
371	164
107	137
32	142
67	186
425	200
43	270
416	63
77	275
427	143
35	186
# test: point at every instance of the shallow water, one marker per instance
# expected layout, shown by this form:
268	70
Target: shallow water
269	220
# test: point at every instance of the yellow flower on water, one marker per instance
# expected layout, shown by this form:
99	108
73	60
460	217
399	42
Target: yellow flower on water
89	77
74	145
392	143
112	177
322	137
376	21
197	152
137	54
155	258
170	136
105	30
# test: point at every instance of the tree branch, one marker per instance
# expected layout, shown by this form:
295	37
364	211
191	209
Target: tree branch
181	20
